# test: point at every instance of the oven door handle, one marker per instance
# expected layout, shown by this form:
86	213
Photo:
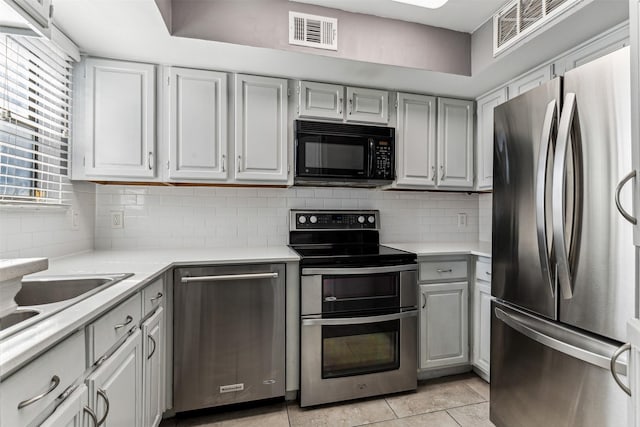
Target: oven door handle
350	271
359	320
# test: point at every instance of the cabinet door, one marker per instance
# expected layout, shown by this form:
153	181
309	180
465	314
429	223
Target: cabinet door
73	411
197	125
320	100
608	43
153	371
120	114
482	326
529	81
444	339
455	143
367	105
416	140
117	384
261	129
484	140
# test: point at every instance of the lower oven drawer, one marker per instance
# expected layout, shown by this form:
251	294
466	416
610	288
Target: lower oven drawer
354	357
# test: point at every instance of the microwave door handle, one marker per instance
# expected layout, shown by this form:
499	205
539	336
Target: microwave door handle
371	155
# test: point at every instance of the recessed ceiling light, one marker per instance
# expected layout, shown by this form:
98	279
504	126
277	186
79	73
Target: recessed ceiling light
431	4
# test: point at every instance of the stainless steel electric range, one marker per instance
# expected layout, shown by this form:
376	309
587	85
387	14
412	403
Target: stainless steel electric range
358	308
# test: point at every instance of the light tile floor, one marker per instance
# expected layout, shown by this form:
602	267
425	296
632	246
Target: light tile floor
457	401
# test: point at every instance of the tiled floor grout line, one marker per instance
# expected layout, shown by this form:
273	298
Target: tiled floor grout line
452	417
391	407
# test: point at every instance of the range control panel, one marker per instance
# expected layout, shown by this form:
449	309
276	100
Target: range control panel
333	220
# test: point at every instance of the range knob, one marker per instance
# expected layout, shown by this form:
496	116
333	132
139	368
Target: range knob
361	219
313	219
302	219
371	219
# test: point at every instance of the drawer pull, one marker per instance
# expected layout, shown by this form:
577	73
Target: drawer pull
92	415
55	381
154	347
157	297
103	394
122	325
488	273
448	270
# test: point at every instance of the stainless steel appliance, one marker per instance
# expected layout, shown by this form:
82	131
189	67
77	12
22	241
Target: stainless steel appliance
341	154
358	308
229	335
563	256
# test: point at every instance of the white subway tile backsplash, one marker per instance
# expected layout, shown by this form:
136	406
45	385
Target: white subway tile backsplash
485	207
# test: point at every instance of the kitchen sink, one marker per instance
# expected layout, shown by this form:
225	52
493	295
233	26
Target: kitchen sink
43	296
47	290
16	317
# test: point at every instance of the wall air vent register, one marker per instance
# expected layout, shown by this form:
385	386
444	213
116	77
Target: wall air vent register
313	31
518	18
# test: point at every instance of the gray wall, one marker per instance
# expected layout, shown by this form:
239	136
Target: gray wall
264	23
164	6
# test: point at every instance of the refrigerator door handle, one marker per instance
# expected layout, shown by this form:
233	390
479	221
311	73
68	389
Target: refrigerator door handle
541	189
558	196
614	359
622	211
600	360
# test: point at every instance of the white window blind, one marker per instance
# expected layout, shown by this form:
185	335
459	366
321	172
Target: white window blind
35	120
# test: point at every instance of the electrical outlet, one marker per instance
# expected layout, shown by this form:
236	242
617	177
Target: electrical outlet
462	220
117	219
75	220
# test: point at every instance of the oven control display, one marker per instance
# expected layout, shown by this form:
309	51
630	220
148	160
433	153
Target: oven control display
335	221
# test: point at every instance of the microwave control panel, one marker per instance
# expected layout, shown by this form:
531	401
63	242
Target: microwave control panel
383	160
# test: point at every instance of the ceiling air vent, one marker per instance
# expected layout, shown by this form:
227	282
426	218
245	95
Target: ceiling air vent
518	18
313	31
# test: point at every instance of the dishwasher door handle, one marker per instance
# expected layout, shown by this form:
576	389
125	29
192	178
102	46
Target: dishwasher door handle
229	277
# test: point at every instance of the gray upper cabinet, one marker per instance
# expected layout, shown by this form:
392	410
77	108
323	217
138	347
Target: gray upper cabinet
455	143
416	141
529	81
197	125
119	128
608	43
367	105
326	102
484	139
320	100
261	151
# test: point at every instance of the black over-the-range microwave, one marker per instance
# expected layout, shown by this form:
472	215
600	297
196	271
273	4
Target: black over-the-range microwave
344	155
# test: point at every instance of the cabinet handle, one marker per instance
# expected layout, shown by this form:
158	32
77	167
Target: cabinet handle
224	163
487	273
440	270
150	160
128	320
433	171
623	212
442	173
157	297
340	105
424	299
104	396
239	161
55	380
92	415
154	347
350	106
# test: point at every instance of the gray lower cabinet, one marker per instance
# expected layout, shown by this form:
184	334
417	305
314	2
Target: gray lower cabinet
482	328
115	388
444	338
73	411
153	369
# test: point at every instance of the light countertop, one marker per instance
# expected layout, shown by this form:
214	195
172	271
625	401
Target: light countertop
445	248
13	268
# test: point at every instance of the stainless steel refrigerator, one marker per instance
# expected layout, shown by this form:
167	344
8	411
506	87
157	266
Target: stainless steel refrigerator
563	256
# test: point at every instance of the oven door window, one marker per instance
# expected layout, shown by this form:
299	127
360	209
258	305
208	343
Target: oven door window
360	349
360	292
332	156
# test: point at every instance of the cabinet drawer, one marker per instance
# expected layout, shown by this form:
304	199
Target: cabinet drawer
110	328
47	376
439	270
483	271
153	296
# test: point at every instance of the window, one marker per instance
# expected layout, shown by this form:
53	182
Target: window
35	119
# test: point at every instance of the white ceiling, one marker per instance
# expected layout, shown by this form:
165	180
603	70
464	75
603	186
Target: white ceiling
459	15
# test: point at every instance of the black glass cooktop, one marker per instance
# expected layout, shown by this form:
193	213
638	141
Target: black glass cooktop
356	255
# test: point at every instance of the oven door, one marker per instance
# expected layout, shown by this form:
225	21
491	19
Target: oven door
352	357
333	157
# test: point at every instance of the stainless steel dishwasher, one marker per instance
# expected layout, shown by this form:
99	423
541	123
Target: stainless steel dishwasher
229	326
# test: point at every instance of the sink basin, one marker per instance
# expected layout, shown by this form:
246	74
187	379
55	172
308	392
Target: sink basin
16	317
52	289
